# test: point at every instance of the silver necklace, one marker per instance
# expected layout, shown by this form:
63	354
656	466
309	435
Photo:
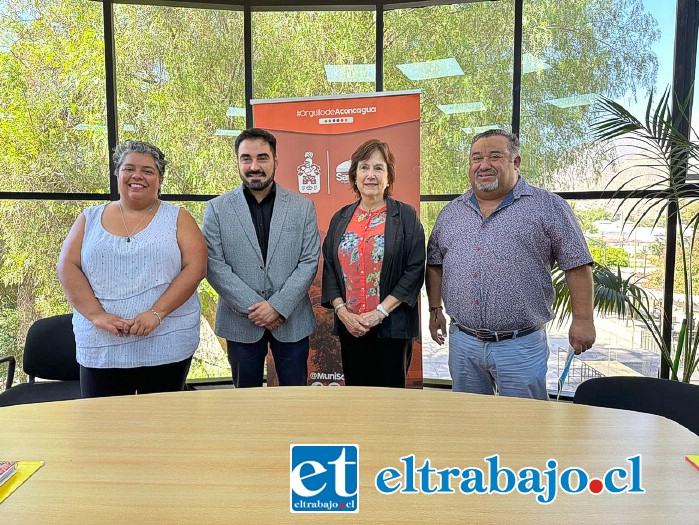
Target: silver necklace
123	220
379	205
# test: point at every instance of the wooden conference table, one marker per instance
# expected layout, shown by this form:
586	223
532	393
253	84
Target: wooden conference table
223	456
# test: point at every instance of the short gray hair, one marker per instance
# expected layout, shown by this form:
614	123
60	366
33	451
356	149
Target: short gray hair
512	140
136	146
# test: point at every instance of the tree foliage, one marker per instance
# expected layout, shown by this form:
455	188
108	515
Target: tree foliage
597	47
610	256
588	217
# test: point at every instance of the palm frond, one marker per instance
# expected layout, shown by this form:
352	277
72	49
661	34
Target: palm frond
613	294
661	152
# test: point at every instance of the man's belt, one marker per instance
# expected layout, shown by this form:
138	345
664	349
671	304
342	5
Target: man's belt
491	335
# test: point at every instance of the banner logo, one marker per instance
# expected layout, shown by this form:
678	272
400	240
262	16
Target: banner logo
324	478
335	112
342	172
341	120
308	175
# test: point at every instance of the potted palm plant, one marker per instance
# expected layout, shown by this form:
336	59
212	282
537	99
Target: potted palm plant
663	161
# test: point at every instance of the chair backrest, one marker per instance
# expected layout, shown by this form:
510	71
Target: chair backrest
49	352
662	397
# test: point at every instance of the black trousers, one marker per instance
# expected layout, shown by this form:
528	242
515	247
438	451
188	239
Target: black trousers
248	361
105	382
372	361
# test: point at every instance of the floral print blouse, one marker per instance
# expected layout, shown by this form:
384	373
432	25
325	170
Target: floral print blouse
361	257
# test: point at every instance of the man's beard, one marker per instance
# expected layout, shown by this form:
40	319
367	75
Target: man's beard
257	185
486	188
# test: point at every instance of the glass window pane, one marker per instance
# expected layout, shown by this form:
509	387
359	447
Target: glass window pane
464	69
52	102
435	364
686	265
624	345
311	53
695	104
572	54
693	175
210	360
31	234
181	86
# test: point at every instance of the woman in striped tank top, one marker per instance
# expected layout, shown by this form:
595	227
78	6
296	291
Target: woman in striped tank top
130	269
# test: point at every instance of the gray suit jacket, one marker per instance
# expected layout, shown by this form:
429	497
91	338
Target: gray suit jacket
237	272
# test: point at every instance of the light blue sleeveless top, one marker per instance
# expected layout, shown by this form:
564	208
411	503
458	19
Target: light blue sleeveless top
127	279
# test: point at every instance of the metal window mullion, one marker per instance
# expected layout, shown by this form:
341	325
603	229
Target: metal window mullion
247	43
111	92
686	24
379	45
517	69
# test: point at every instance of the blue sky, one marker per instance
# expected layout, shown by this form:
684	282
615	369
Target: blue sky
664	12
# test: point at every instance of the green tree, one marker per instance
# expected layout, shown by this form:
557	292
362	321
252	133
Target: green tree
610	256
587	217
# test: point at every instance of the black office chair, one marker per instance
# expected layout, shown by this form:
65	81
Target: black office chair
49	353
662	397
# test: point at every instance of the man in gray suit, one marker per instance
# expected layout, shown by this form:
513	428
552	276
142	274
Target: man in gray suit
263	256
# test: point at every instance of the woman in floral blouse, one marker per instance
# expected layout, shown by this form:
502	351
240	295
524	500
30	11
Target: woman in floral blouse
374	262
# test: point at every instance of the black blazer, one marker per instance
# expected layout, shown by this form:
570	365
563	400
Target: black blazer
402	271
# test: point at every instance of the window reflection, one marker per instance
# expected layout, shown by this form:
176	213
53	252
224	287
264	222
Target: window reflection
312	53
180	85
463	68
52	101
571	56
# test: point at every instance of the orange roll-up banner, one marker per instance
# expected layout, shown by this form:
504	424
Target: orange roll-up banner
315	139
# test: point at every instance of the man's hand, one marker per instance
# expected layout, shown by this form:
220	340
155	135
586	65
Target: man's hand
264	315
438	326
276	324
582	335
582	330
